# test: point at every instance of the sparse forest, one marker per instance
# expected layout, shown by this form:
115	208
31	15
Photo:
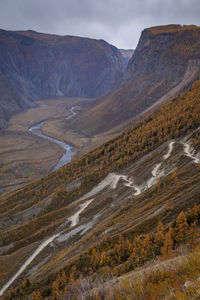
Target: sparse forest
124	252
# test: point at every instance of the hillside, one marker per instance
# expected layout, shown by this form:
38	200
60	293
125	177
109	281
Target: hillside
41	65
11	100
165	62
93	217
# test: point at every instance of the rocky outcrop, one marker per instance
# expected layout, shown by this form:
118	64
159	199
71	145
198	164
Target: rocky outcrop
165	62
42	65
163	54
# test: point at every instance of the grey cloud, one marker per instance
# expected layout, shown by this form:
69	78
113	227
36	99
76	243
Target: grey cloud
118	21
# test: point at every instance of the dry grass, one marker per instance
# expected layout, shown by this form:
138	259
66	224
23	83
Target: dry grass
176	278
25	157
55	108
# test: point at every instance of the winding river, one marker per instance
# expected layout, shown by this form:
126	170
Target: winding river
66	157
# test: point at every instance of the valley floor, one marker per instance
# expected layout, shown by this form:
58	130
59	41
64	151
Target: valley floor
25	157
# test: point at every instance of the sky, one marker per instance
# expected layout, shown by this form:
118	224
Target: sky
119	22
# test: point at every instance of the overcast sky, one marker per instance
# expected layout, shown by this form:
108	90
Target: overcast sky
119	22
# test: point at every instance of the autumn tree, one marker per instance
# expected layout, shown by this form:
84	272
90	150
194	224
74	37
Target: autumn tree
159	237
72	275
36	295
55	290
166	250
181	228
193	234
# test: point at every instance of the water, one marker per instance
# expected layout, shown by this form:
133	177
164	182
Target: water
67	156
73	113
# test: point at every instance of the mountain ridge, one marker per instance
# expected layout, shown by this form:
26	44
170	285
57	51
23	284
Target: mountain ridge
43	65
165	62
129	202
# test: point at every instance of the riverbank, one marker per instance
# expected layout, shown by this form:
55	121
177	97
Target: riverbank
68	149
25	157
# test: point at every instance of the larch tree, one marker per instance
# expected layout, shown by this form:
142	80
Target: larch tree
166	250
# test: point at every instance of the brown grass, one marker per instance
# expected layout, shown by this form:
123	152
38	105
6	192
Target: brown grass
25	157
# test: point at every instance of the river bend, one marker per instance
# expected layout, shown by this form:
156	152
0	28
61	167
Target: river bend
67	156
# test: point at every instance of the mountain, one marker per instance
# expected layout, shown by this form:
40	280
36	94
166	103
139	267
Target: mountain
119	207
165	62
39	65
127	53
11	100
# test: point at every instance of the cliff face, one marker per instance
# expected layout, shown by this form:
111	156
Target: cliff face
165	62
42	65
164	53
11	100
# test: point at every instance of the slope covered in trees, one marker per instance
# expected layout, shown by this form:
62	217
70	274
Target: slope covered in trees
133	220
177	118
126	253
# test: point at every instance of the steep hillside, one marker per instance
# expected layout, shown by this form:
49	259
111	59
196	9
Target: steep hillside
41	65
11	100
93	217
165	62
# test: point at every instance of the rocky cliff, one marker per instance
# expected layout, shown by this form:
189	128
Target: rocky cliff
165	62
41	65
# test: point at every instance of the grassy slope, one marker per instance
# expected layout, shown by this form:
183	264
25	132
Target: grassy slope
176	119
111	156
174	278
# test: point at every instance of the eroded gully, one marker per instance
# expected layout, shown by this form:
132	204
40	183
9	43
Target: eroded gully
111	180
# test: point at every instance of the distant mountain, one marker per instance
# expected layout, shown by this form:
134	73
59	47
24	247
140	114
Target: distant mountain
127	53
165	62
41	65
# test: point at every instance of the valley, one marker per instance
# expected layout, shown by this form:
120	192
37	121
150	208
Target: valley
23	156
164	64
67	156
36	66
100	166
85	206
